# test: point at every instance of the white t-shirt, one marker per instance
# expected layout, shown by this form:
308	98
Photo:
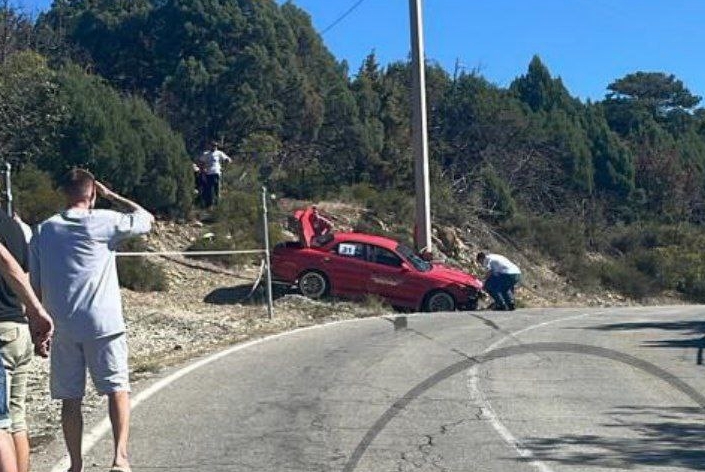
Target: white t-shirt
497	264
72	263
212	161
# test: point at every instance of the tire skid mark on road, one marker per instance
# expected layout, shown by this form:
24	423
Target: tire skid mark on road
486	407
505	352
488	412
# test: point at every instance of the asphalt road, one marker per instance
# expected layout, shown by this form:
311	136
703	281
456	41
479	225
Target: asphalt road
547	390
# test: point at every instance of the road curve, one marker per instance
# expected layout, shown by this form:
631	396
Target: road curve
539	389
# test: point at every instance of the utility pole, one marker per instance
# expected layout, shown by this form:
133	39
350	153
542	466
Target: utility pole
422	229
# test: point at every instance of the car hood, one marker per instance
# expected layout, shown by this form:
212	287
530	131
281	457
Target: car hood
450	274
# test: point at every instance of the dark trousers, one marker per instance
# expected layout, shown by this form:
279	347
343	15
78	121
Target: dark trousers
501	289
211	191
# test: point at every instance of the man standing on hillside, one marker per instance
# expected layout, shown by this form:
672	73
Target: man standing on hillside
502	276
18	328
73	268
211	163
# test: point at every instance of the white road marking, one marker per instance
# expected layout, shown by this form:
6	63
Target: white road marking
489	413
91	438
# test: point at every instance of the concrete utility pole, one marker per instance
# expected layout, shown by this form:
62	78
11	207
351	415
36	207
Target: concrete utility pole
422	235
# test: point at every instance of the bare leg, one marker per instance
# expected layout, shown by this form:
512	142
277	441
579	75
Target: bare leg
8	463
72	423
21	440
119	406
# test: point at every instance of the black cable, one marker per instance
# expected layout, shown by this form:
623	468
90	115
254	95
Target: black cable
342	17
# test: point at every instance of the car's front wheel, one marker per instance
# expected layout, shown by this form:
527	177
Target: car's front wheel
313	284
439	301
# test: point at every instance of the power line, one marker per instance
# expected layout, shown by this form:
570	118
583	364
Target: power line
342	17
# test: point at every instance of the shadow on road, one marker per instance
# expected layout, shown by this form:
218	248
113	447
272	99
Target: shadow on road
641	436
694	330
244	295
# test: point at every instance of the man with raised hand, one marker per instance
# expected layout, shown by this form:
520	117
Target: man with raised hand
72	266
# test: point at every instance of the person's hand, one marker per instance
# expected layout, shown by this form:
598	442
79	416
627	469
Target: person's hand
41	328
104	191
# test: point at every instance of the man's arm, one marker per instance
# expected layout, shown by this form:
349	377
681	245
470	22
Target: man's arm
225	157
41	325
108	194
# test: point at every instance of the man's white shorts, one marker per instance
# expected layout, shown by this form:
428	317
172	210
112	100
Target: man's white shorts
106	359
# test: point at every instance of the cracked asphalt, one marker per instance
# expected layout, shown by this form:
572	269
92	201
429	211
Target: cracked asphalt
538	389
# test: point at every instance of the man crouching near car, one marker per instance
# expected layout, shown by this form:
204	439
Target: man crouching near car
502	276
72	267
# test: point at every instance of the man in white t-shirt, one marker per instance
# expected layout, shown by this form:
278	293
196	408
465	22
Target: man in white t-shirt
502	276
73	269
211	164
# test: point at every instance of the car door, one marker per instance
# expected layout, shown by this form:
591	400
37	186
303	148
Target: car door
391	278
348	269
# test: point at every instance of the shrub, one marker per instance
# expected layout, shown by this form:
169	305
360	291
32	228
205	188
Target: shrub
683	269
497	198
35	197
237	225
626	279
560	239
391	205
140	273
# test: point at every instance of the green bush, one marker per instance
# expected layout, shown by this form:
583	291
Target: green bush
237	225
390	205
558	238
497	198
626	279
122	142
140	273
668	256
683	269
35	197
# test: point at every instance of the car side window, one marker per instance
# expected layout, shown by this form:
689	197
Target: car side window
380	255
352	250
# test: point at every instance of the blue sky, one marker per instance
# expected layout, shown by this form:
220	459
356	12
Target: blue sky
589	43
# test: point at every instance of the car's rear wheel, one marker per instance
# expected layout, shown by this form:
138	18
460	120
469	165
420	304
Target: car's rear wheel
439	301
313	284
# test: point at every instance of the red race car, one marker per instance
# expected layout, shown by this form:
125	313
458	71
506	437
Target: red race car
355	264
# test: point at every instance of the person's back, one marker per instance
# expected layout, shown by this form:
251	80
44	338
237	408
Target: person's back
502	276
77	269
498	264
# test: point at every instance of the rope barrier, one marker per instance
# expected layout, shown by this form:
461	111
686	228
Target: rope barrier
189	253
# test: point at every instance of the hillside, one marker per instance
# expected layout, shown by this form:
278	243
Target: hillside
612	191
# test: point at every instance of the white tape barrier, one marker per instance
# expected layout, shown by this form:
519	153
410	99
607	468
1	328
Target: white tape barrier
189	253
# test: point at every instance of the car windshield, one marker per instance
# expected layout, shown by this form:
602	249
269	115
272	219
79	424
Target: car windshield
414	259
